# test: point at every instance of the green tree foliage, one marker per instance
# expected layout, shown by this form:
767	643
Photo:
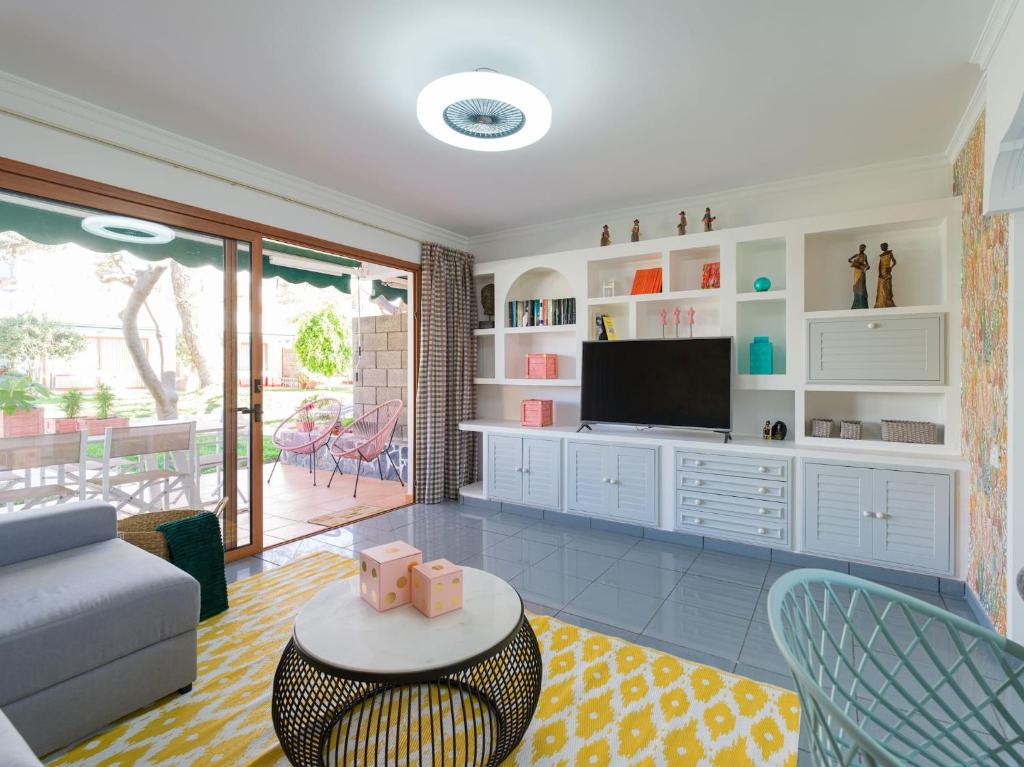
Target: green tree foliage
322	343
26	339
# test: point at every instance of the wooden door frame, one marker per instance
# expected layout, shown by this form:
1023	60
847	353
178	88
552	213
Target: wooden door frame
24	178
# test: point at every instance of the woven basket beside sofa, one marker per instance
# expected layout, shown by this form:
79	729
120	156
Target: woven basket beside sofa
141	529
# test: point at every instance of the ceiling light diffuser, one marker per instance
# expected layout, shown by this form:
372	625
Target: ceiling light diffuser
484	111
124	229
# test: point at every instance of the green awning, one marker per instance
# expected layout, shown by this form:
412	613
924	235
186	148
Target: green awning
51	226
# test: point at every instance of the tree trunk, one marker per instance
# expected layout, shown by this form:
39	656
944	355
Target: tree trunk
183	300
165	398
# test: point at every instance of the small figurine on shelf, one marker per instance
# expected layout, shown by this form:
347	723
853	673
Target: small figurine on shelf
691	313
779	431
606	236
708	219
527	319
663	316
859	262
487	304
634	236
886	261
600	331
675	317
608	288
681	226
766	432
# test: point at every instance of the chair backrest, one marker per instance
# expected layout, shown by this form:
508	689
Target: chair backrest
311	424
375	427
40	450
122	441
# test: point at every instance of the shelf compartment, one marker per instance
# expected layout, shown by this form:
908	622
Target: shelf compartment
919	278
686	266
619	312
707	320
870	407
485	367
761	258
518	345
479	281
761	318
620	272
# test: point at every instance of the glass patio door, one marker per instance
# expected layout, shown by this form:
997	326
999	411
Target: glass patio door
138	330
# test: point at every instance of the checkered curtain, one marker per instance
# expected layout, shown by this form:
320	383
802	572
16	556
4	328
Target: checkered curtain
446	458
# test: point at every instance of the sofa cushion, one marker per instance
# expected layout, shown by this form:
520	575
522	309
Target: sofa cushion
49	529
67	613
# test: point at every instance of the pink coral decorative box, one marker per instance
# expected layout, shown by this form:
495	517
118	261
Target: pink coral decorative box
384	574
437	587
535	412
542	366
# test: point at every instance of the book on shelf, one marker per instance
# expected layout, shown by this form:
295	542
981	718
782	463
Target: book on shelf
604	325
646	281
537	312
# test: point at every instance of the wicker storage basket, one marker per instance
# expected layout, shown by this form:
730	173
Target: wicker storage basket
917	432
140	529
850	429
821	427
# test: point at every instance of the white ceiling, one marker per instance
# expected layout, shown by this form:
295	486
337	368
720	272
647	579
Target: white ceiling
652	100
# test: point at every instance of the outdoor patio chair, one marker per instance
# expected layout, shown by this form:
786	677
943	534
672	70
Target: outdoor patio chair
305	431
20	456
167	471
215	459
367	439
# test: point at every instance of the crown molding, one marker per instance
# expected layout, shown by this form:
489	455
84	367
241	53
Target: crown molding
968	119
27	100
728	196
992	32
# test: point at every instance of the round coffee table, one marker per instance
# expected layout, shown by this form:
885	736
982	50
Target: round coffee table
359	687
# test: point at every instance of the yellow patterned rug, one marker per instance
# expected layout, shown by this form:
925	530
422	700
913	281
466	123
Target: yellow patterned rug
604	701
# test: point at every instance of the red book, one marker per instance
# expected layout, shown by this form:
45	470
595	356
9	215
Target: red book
646	281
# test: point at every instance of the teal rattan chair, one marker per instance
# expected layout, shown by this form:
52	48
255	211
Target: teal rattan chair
885	679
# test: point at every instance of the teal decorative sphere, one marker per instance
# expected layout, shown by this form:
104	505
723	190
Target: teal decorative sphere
761	284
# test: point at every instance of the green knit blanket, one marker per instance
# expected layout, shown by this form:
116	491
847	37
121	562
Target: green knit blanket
196	547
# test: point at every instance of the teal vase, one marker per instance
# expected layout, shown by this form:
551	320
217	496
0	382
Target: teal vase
761	284
761	356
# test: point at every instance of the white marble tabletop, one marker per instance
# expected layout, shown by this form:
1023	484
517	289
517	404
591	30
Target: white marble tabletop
338	629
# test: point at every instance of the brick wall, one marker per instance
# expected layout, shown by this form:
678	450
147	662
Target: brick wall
383	365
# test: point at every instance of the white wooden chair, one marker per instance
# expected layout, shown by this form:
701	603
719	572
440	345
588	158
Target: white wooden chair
167	473
20	456
215	459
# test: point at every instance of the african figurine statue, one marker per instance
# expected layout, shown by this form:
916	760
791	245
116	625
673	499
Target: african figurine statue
708	219
886	261
634	236
859	262
681	226
606	236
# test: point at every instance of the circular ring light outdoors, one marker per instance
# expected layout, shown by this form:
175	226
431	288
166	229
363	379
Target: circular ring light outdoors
124	229
483	111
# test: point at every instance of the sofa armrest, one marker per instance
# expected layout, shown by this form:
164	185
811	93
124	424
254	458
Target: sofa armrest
35	533
13	747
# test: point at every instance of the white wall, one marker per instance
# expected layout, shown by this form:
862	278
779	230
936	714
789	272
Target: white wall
317	211
1004	97
925	178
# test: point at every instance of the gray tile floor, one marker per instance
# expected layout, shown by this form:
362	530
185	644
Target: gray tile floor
702	605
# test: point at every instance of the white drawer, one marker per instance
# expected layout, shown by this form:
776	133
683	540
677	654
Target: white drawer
746	486
738	465
749	509
766	533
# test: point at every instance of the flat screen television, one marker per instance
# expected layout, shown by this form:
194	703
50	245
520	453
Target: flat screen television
681	382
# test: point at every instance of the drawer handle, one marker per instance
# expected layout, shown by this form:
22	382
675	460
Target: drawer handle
762	490
698	502
872	325
698	463
762	469
698	521
762	512
762	531
698	482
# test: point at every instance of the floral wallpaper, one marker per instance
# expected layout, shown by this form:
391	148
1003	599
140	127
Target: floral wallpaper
985	297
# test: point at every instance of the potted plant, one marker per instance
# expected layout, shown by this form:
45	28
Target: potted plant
71	403
104	401
19	416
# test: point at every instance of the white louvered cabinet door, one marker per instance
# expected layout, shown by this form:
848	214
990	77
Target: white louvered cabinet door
912	519
882	349
542	467
504	468
838	510
632	474
587	479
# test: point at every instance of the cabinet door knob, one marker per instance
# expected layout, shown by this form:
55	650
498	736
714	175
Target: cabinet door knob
762	531
519	469
698	482
879	515
526	471
762	490
762	512
762	469
698	502
872	325
604	479
698	463
698	521
867	513
613	481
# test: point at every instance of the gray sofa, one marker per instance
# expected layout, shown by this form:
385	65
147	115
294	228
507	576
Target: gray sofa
91	628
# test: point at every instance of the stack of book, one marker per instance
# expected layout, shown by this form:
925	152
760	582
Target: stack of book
541	311
646	281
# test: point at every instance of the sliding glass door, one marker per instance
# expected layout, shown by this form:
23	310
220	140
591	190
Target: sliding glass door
139	338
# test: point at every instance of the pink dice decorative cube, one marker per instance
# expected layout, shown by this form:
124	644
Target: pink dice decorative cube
437	587
384	574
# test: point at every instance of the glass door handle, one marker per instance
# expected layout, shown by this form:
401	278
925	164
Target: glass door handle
255	410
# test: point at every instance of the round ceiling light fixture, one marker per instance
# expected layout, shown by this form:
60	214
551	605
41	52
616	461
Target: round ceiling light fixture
484	111
124	229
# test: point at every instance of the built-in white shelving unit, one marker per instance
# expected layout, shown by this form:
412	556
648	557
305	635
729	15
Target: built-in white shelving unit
806	262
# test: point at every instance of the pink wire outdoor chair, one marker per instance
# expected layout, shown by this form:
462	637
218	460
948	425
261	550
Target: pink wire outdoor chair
305	431
366	439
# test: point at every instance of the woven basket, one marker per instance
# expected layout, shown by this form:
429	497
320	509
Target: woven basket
821	427
917	432
140	529
850	429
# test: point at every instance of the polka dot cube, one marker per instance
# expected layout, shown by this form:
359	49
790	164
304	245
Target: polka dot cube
384	574
437	587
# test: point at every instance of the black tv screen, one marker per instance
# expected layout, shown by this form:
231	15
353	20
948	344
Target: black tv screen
683	382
